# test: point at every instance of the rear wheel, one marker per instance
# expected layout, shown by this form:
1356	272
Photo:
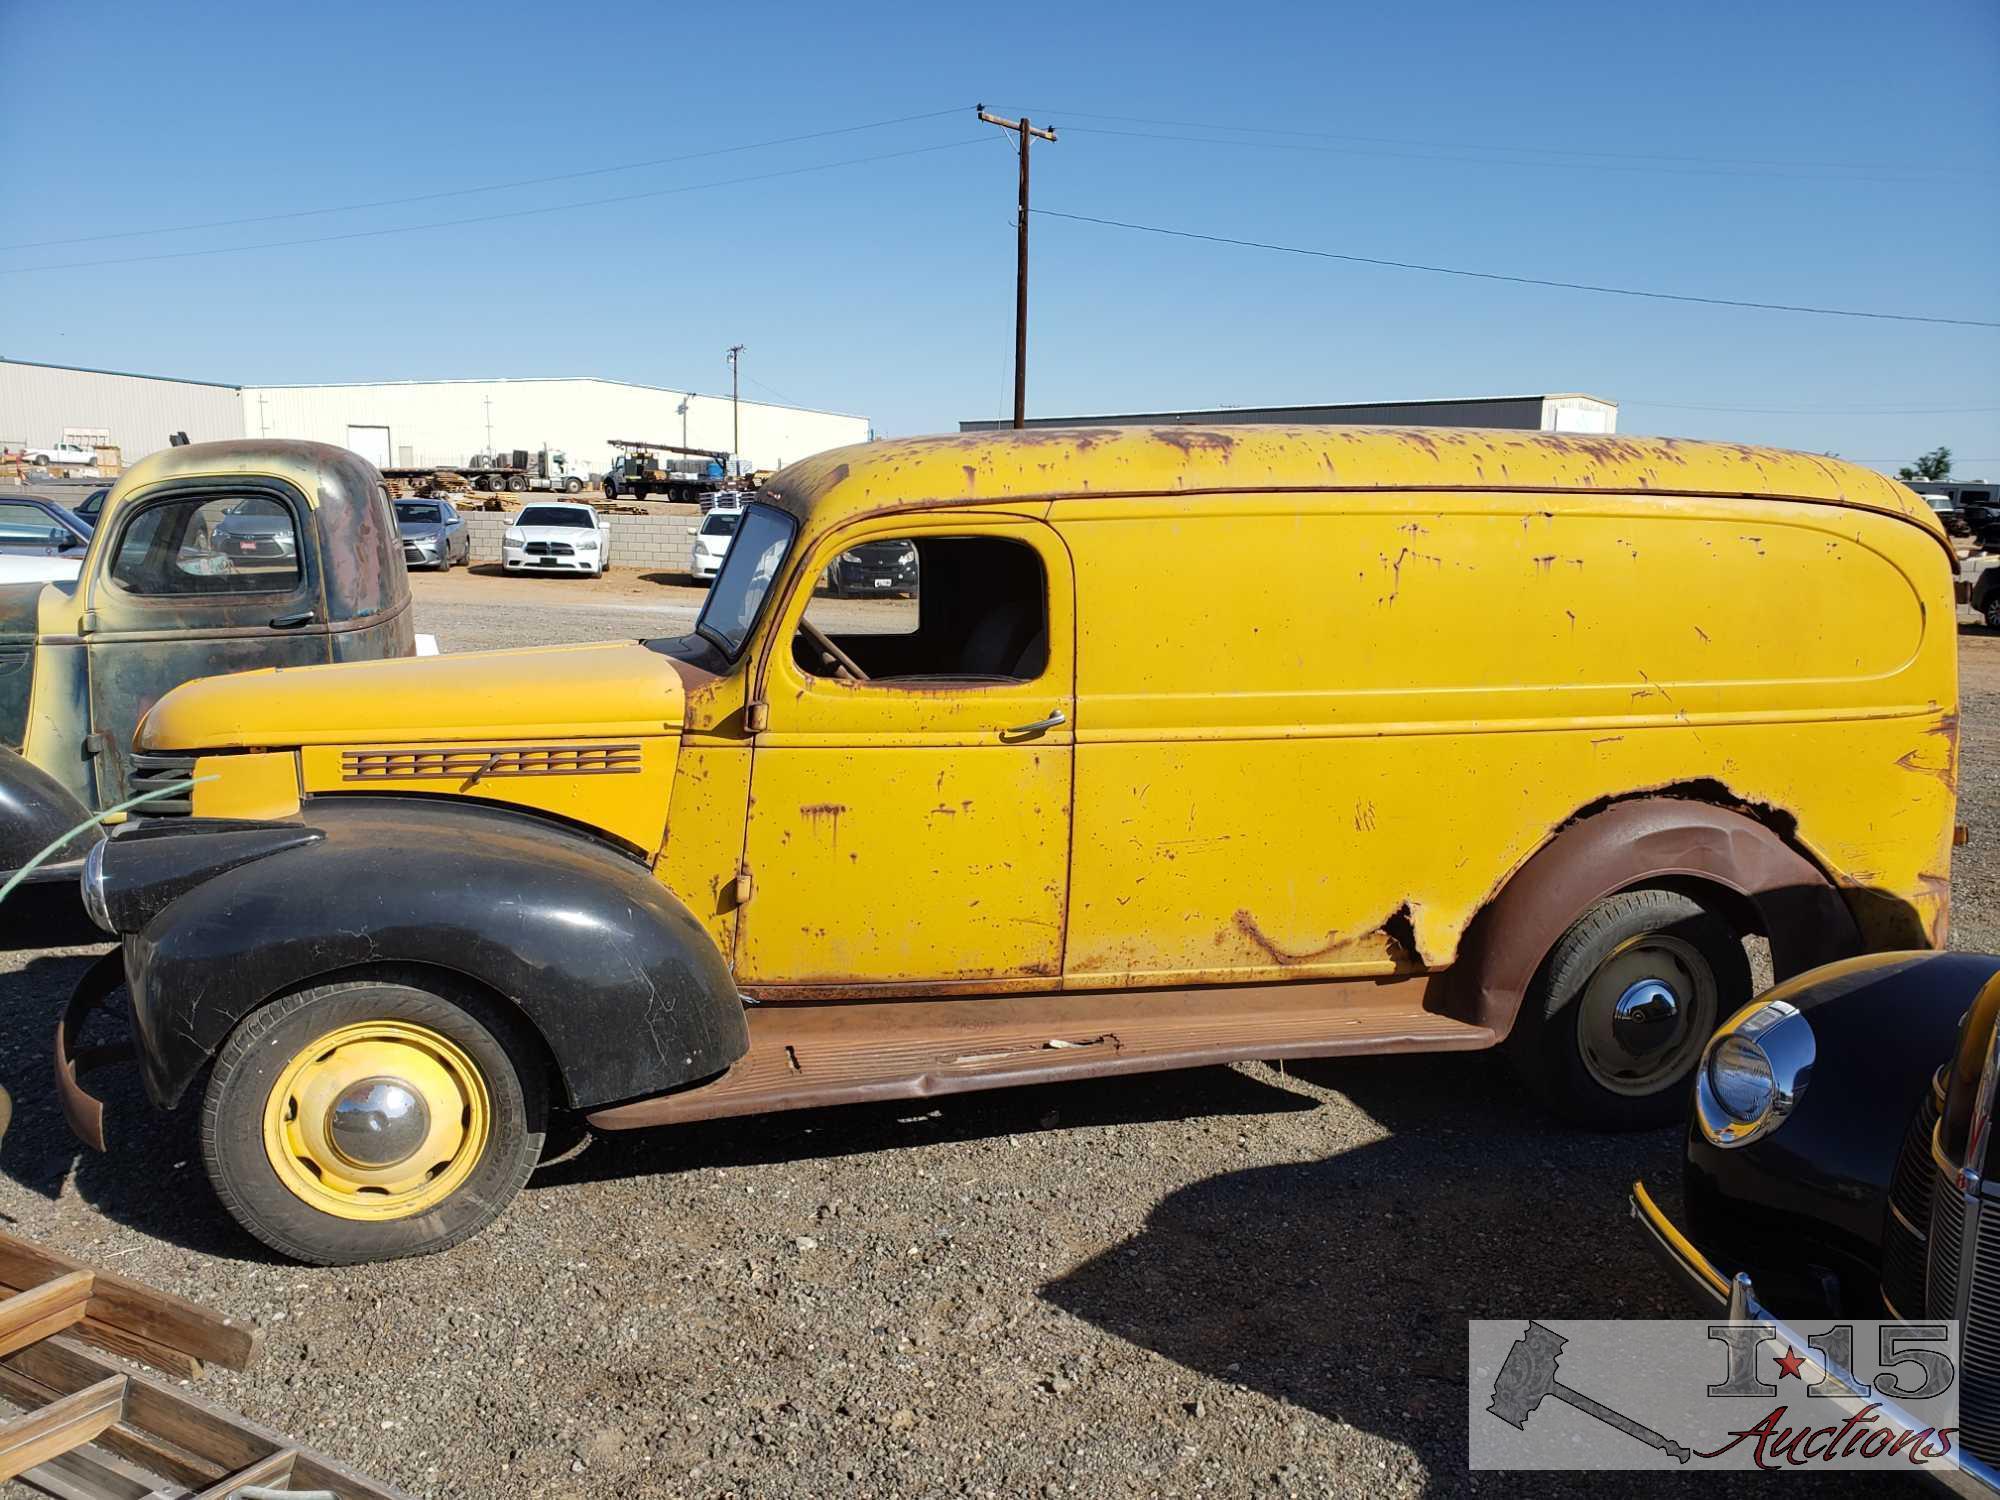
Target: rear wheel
1611	1031
366	1120
517	483
1992	610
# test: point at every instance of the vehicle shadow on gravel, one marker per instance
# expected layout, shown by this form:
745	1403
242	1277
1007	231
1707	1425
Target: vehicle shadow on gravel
1343	1286
151	1179
855	1129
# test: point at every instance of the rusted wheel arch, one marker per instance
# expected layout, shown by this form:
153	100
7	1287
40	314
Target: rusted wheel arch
1746	869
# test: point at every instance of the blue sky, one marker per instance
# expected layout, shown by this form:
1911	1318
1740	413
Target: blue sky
1835	153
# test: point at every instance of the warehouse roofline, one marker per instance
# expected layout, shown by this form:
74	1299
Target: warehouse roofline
635	385
42	364
1227	414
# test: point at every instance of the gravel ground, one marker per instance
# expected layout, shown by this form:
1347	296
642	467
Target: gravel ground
1244	1280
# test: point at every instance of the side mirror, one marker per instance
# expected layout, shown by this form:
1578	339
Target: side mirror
64	538
694	531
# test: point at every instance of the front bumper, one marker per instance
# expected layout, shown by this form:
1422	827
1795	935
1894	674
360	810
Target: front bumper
423	554
1737	1298
519	561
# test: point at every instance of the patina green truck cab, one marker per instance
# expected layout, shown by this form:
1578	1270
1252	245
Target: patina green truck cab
207	559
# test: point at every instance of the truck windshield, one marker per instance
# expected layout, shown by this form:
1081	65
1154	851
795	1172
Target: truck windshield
762	539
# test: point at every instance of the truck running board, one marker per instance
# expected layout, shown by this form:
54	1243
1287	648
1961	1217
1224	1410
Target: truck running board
804	1055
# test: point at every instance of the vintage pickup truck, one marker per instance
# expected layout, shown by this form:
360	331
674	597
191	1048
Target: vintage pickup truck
208	558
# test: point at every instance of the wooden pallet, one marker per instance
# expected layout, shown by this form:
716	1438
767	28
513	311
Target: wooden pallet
89	1428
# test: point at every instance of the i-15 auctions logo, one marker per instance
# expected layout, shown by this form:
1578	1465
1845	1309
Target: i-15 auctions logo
1667	1394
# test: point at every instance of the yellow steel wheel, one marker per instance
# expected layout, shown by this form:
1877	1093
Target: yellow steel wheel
377	1120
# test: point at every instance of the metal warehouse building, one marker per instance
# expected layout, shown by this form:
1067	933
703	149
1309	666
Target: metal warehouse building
399	424
1560	413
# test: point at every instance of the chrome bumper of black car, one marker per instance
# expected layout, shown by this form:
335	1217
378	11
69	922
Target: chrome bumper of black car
1737	1298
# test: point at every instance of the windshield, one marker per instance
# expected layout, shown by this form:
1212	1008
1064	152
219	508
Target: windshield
421	513
740	588
554	515
720	523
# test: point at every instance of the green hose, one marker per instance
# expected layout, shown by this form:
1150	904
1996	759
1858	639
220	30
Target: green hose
43	858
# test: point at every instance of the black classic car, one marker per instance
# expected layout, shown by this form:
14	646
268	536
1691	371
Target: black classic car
874	568
1838	1158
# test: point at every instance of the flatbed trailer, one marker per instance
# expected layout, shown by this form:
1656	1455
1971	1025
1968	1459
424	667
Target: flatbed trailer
639	472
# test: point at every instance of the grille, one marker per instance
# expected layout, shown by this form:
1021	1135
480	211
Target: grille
150	772
411	554
550	549
1979	1354
517	760
1947	1239
1905	1235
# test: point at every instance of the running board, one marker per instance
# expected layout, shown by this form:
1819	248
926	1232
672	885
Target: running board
804	1055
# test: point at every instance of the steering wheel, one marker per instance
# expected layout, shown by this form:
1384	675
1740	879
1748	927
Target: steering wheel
844	664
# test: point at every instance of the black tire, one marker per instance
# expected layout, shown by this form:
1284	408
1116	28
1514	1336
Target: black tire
1563	1043
444	559
573	486
1991	610
611	489
255	1057
517	483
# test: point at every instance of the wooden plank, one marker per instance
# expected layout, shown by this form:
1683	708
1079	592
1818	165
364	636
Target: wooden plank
183	1420
43	1310
277	1466
120	1439
135	1308
174	1362
65	1423
93	1472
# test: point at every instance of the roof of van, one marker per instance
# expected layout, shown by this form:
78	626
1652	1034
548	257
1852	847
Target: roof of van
1045	463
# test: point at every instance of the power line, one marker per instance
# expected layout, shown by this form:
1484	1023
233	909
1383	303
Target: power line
518	213
1381	140
491	187
1451	157
1571	286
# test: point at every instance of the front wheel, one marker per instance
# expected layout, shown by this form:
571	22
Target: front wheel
1992	611
1611	1031
364	1121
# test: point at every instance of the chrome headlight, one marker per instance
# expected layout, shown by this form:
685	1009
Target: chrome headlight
1753	1073
513	538
588	544
94	904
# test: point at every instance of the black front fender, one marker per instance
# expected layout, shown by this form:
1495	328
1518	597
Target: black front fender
1812	1196
618	979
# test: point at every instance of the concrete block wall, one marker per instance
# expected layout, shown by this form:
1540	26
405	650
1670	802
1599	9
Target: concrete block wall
655	543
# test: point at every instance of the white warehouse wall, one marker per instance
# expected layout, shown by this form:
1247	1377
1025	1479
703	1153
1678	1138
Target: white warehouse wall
38	403
446	421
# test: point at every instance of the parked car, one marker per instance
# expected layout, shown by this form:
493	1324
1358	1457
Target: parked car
158	602
434	534
883	568
92	506
1838	1161
557	536
1985	596
17	568
31	526
711	543
1033	835
1947	512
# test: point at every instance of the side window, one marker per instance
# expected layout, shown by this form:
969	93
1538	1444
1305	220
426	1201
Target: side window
934	608
21	524
213	544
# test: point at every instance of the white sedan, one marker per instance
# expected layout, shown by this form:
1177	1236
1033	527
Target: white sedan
711	543
557	536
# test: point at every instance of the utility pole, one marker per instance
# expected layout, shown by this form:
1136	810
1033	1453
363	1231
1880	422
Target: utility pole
735	416
1027	133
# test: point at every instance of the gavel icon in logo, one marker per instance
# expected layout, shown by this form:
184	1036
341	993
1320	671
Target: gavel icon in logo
1529	1373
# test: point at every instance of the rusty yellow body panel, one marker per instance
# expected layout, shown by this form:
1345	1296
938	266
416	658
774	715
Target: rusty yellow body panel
263	786
1310	699
553	692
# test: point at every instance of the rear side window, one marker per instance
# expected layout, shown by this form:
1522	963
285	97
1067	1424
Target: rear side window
209	544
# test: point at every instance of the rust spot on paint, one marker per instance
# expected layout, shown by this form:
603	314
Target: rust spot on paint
825	814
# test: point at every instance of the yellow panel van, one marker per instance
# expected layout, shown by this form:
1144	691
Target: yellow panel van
1194	746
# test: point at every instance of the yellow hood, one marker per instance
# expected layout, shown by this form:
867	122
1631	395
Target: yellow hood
546	692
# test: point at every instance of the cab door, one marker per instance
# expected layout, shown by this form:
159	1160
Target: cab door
910	793
195	579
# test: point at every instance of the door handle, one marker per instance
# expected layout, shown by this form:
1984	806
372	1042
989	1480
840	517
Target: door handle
1056	717
292	622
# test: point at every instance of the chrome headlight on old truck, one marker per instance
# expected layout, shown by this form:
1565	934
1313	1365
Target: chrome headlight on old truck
1753	1073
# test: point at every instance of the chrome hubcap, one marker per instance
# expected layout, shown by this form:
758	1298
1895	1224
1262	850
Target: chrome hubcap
1646	1014
1644	1019
378	1122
